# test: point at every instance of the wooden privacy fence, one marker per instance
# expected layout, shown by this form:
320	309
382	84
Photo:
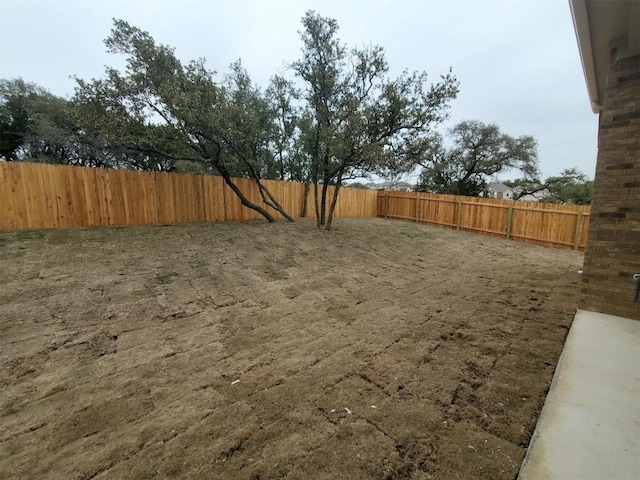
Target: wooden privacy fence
561	226
36	195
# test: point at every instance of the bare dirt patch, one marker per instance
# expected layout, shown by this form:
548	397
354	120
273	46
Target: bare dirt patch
383	349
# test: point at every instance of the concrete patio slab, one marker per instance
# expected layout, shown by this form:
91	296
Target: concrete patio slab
589	427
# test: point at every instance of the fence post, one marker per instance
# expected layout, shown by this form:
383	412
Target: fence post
417	209
386	205
576	237
459	215
509	221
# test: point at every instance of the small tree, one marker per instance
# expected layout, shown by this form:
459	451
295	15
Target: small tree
360	121
479	151
290	160
282	97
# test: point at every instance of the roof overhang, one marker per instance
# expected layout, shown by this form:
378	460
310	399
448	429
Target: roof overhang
601	25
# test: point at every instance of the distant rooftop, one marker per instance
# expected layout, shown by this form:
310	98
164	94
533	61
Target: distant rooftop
499	187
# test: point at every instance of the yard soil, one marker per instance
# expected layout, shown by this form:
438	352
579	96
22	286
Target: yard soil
381	350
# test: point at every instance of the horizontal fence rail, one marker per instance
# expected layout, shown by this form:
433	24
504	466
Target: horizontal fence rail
560	226
36	196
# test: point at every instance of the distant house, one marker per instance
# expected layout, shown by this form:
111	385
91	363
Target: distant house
499	190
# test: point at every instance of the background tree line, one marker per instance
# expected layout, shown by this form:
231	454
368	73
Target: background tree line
481	151
339	116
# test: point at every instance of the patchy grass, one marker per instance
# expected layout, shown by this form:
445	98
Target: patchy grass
21	236
166	278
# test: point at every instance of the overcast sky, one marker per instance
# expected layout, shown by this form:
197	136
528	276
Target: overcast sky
517	61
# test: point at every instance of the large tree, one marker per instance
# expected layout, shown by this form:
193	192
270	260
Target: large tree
359	120
15	106
38	126
163	108
35	125
479	152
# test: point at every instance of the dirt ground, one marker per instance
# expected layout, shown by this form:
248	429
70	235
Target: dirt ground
382	350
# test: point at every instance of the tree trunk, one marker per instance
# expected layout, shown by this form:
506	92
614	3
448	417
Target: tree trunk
224	173
264	193
317	203
323	204
281	165
334	201
244	200
271	201
305	199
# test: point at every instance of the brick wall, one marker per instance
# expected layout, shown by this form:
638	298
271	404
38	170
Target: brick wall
613	249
